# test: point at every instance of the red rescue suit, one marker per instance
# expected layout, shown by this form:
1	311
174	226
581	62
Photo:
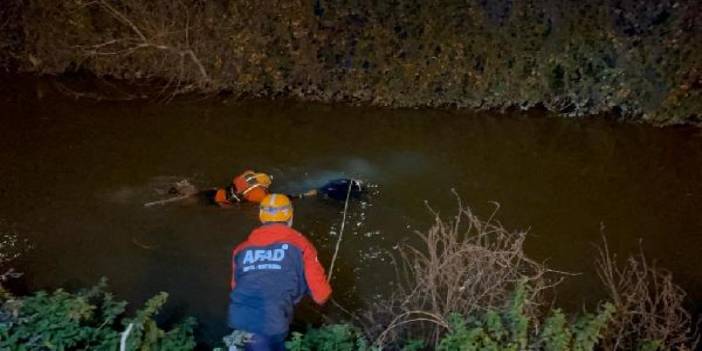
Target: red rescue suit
244	187
272	270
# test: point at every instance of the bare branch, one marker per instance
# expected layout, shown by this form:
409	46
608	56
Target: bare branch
649	305
155	33
462	266
120	16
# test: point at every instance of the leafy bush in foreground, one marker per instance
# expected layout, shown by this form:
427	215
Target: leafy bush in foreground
513	330
341	337
507	329
88	320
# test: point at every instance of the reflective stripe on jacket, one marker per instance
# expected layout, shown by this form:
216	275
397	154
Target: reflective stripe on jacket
248	187
272	270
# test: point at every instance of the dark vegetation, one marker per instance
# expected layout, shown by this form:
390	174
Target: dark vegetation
91	319
471	287
468	286
87	320
639	59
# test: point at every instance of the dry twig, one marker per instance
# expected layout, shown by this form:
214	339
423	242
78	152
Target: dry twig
649	305
466	266
151	31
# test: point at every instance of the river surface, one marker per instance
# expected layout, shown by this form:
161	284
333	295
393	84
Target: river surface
74	175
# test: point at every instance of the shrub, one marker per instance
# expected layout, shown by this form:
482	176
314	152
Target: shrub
640	58
90	319
470	286
513	330
649	312
465	266
334	337
507	329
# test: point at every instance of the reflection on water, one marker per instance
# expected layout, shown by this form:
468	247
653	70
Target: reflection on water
77	174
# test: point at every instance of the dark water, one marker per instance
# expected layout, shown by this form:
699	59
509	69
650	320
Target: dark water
74	176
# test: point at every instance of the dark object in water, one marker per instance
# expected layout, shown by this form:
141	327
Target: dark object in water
337	189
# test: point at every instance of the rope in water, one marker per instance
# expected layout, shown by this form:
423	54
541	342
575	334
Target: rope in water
341	231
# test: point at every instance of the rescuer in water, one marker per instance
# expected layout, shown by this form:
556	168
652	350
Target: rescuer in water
249	186
271	272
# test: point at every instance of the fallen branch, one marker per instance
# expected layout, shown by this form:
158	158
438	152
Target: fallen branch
168	201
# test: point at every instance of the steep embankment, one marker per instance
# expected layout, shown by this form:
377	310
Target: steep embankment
641	59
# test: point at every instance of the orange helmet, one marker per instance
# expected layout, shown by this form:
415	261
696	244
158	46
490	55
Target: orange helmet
252	186
275	208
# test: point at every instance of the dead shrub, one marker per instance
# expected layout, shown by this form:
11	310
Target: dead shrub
465	265
160	42
164	31
649	305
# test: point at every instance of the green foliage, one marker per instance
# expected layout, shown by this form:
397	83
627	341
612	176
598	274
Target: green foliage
574	57
414	345
504	330
649	345
510	330
587	329
335	337
90	319
556	334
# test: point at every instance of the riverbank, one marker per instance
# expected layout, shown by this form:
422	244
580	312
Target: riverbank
77	173
637	60
468	286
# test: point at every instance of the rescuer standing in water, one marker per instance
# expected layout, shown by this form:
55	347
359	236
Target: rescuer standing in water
271	272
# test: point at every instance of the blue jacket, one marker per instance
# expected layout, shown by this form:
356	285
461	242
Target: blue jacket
271	271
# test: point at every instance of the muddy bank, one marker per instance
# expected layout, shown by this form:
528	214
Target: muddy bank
640	60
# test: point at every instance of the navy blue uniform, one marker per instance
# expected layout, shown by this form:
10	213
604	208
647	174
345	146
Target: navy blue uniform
272	270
